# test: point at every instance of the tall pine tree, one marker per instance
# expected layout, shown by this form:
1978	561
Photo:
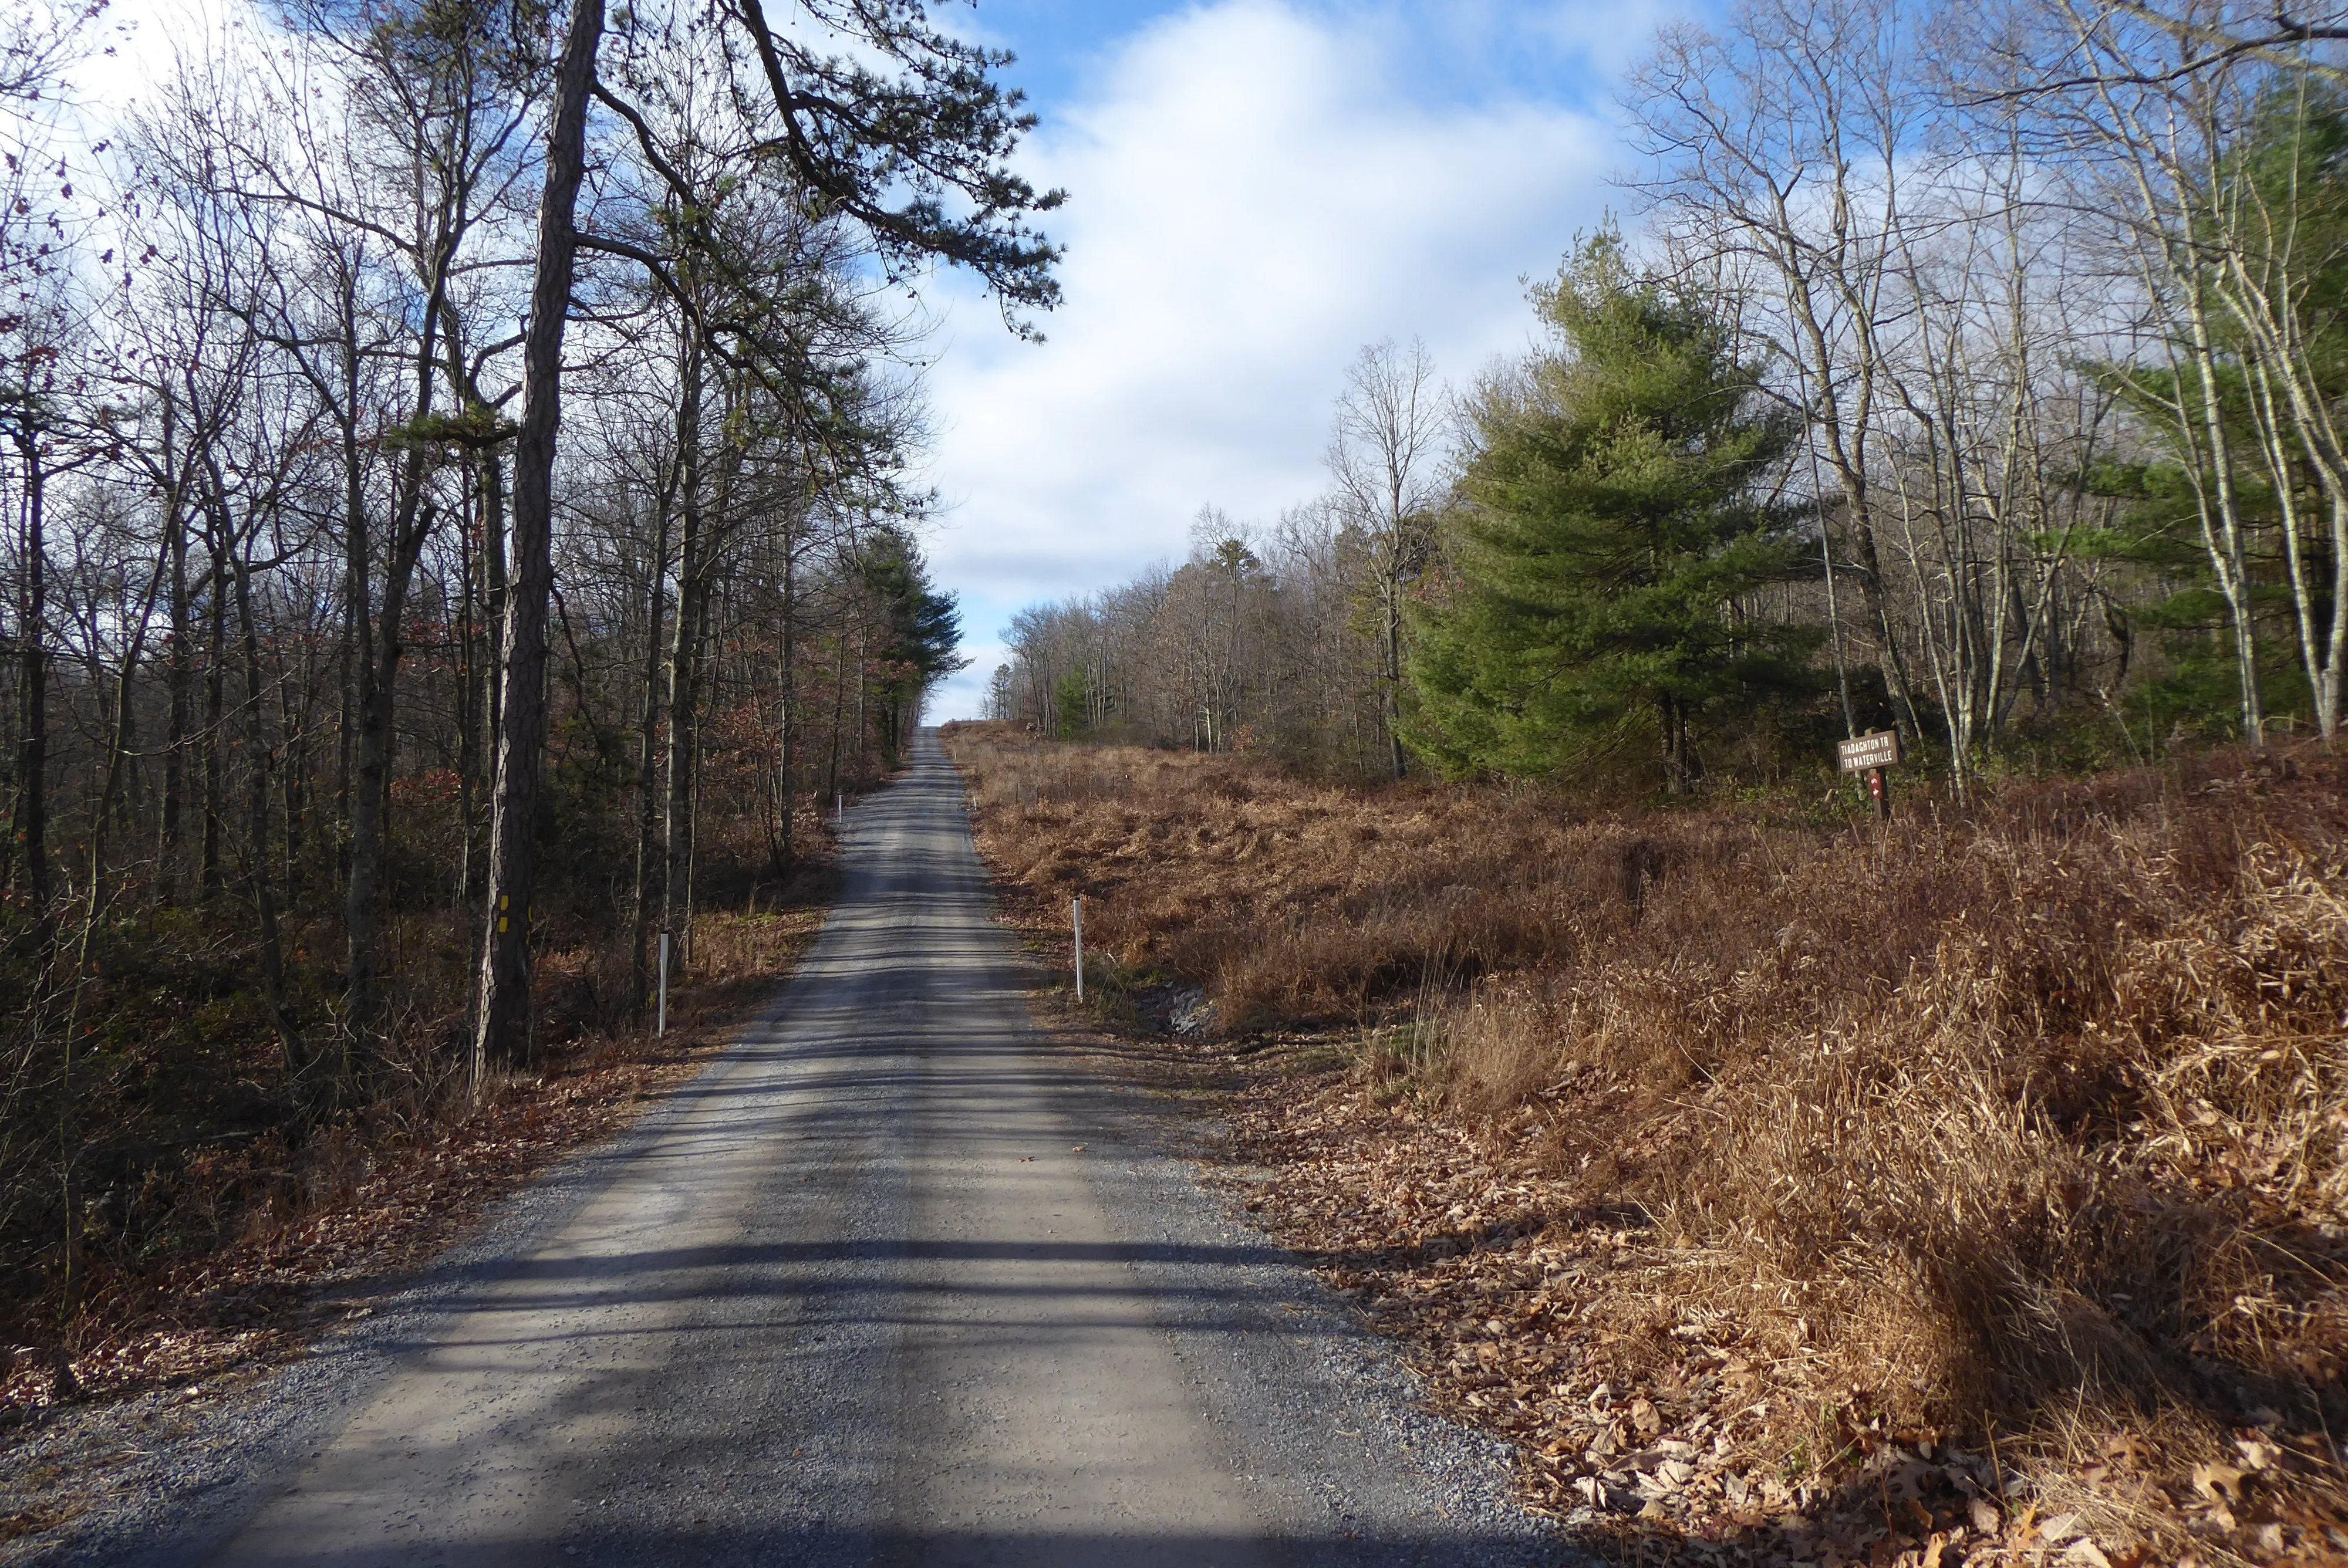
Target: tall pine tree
1619	501
924	628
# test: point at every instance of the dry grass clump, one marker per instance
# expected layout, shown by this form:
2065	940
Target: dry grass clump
2087	1143
2025	1115
1292	900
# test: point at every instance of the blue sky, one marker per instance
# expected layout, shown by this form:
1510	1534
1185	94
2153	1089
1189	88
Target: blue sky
1465	52
1256	187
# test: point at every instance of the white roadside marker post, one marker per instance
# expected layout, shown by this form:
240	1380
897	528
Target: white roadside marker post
839	806
1077	909
661	1027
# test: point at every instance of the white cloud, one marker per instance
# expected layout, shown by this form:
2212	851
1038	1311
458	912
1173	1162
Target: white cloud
1254	193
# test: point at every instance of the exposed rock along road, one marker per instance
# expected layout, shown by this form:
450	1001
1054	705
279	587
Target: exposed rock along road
854	1296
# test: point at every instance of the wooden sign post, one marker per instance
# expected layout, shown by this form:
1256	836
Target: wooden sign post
1871	754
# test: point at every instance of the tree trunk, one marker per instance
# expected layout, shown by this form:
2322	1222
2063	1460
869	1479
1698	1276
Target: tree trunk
648	812
1674	726
292	727
179	669
345	724
176	667
265	897
855	758
1397	756
468	669
487	673
493	610
685	649
208	876
839	713
503	1033
789	680
371	764
692	851
2224	541
32	823
371	809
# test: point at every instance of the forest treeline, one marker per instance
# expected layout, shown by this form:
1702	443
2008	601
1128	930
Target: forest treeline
457	513
1975	372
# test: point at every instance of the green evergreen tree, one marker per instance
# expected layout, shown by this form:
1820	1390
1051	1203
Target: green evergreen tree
1619	501
924	630
1072	707
2195	687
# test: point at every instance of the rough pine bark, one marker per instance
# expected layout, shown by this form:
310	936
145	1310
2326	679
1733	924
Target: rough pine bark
502	1033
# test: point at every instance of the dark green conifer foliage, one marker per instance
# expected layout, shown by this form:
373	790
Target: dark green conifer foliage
924	627
1620	498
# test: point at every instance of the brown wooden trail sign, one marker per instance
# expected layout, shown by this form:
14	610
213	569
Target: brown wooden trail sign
1871	754
1876	749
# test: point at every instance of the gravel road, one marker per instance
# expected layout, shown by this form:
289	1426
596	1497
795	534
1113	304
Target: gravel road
894	1281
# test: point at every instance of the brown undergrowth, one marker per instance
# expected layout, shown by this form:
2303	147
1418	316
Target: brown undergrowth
307	1234
1789	1189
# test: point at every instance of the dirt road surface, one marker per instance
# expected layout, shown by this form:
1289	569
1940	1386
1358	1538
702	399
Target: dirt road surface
896	1281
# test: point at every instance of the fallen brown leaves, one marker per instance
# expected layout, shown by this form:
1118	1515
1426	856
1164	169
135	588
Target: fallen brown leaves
1978	1195
1672	1428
